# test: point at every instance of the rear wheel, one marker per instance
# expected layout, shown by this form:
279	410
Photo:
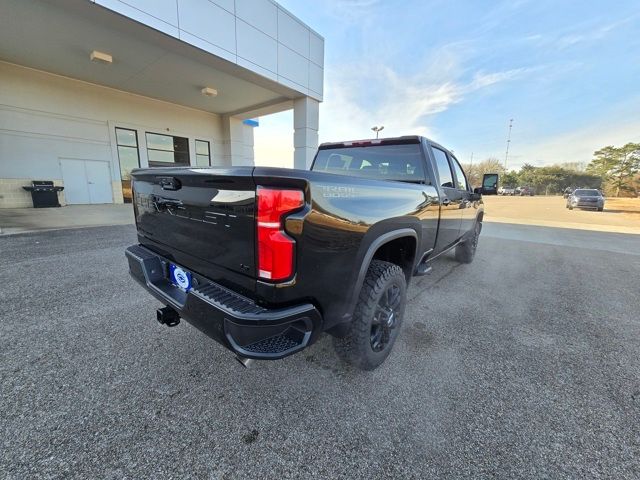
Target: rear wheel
600	209
377	317
466	250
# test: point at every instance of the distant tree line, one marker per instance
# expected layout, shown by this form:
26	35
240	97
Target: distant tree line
618	168
549	180
614	170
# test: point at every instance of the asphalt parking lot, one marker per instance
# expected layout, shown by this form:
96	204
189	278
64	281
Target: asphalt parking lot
524	364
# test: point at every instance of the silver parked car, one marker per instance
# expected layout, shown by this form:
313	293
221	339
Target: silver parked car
506	190
586	198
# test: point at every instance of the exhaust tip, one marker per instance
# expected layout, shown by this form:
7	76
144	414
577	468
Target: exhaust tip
244	361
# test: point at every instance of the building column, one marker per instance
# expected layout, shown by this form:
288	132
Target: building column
237	140
248	142
306	114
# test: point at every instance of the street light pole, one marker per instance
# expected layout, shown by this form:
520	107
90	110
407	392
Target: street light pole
506	155
377	129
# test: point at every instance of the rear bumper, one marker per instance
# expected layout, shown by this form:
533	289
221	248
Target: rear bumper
234	321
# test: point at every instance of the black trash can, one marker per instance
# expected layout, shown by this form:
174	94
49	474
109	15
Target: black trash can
44	194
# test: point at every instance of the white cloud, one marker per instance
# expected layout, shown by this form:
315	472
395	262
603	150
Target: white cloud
584	33
363	95
366	94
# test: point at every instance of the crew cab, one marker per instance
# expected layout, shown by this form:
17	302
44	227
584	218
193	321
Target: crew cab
265	260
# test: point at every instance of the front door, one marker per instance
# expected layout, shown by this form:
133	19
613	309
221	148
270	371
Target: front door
468	208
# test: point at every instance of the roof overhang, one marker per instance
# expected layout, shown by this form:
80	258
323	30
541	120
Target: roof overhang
59	36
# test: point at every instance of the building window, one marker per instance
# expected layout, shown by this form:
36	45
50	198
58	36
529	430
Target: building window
167	150
128	155
203	153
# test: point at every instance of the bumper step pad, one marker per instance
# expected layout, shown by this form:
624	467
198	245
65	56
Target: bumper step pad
277	344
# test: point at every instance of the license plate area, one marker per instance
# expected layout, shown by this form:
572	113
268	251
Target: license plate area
181	278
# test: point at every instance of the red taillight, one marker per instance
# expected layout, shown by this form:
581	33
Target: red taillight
276	249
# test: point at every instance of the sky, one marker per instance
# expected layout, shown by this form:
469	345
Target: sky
566	72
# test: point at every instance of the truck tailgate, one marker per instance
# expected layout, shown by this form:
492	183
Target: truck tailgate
208	213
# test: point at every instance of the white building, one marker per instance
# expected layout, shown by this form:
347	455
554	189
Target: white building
91	89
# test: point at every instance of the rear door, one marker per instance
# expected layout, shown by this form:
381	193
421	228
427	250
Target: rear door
204	215
451	201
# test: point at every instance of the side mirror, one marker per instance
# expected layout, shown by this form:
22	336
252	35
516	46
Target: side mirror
489	184
476	196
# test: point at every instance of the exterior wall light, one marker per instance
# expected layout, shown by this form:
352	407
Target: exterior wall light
209	92
101	57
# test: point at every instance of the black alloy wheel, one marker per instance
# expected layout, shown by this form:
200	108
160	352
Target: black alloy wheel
385	317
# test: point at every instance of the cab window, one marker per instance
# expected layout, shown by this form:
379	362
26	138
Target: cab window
462	180
444	169
401	162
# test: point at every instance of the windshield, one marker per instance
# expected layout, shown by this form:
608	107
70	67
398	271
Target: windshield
385	162
586	193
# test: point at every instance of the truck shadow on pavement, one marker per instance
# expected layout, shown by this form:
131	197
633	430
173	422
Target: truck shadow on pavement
415	332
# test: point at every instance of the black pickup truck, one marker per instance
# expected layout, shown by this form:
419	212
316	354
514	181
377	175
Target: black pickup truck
264	260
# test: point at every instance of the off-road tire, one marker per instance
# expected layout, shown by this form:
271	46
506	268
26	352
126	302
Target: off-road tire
466	251
601	209
383	280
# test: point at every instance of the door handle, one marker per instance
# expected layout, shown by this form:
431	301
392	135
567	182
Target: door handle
446	202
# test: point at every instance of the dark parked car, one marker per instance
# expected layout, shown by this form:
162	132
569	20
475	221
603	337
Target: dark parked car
264	260
586	198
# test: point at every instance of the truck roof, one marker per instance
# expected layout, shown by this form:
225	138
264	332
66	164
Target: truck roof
403	140
372	141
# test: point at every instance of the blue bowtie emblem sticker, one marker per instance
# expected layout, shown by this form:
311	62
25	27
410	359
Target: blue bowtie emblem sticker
181	278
